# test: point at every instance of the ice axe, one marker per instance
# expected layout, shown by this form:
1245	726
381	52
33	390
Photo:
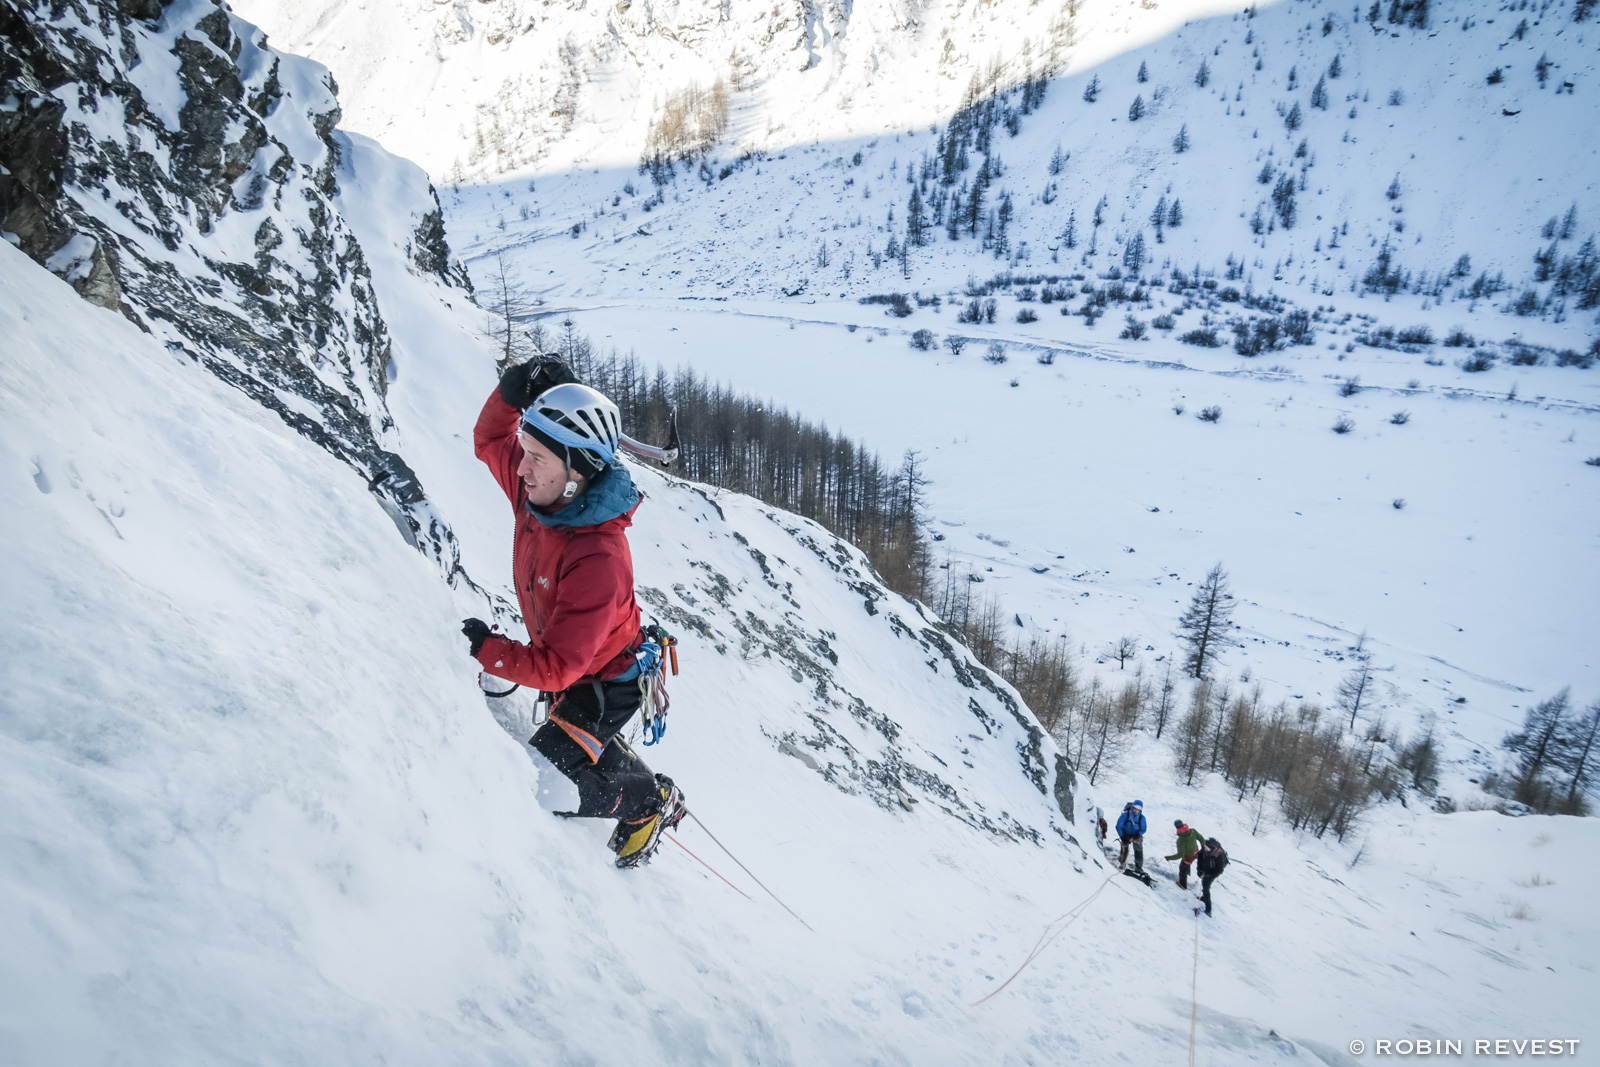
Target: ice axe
663	454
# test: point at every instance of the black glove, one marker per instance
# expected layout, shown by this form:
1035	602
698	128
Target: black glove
520	384
477	632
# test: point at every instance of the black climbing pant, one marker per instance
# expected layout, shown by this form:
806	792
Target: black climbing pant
1205	890
614	785
1138	852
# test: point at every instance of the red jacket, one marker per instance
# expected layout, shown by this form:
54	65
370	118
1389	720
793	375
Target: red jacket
574	582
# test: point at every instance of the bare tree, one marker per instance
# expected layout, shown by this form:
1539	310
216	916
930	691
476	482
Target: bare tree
507	306
1192	731
1579	761
1353	691
1125	649
1164	704
1420	758
1203	626
1537	745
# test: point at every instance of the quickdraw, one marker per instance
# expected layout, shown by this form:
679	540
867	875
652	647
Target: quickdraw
658	650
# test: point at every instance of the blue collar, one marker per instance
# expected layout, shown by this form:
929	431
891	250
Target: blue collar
610	494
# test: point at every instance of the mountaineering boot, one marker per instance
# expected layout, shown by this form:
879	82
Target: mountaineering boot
635	842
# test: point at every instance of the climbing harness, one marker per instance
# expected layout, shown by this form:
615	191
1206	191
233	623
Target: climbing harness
1051	931
655	653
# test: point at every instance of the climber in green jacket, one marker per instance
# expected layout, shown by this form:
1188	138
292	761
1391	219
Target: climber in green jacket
1190	842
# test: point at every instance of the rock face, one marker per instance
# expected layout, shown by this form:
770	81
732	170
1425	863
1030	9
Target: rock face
169	165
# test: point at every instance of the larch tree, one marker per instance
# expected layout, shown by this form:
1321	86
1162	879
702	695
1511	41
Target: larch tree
1203	625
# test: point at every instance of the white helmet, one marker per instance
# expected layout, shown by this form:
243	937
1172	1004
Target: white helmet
577	420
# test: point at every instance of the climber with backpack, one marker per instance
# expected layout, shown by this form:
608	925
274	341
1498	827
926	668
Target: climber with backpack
1209	865
1130	831
551	443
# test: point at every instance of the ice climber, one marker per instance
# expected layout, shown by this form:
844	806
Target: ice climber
551	444
1212	859
1130	831
1189	842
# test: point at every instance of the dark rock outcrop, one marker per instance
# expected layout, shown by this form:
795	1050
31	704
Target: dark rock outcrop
154	155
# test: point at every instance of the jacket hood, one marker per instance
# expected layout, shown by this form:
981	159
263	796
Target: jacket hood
611	495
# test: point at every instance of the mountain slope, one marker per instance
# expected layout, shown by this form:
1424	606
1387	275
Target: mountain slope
255	812
1477	169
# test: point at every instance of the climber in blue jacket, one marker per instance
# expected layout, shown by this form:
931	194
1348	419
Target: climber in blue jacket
1130	831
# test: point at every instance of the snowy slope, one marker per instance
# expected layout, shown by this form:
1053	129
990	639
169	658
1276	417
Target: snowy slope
256	812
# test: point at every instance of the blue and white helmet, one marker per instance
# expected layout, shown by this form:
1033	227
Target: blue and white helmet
577	421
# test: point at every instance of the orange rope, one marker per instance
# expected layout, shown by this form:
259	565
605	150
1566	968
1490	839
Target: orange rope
1050	935
708	867
1194	986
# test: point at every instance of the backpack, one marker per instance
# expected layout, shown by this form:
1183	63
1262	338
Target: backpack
1215	862
1128	823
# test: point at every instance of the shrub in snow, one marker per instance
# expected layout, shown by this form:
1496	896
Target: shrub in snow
1478	362
1133	329
1206	338
922	340
1210	414
1350	387
1593	461
955	344
1415	335
996	353
1163	322
973	312
1398	503
1344	425
899	306
1027	315
1460	338
1400	418
1569	358
1522	356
